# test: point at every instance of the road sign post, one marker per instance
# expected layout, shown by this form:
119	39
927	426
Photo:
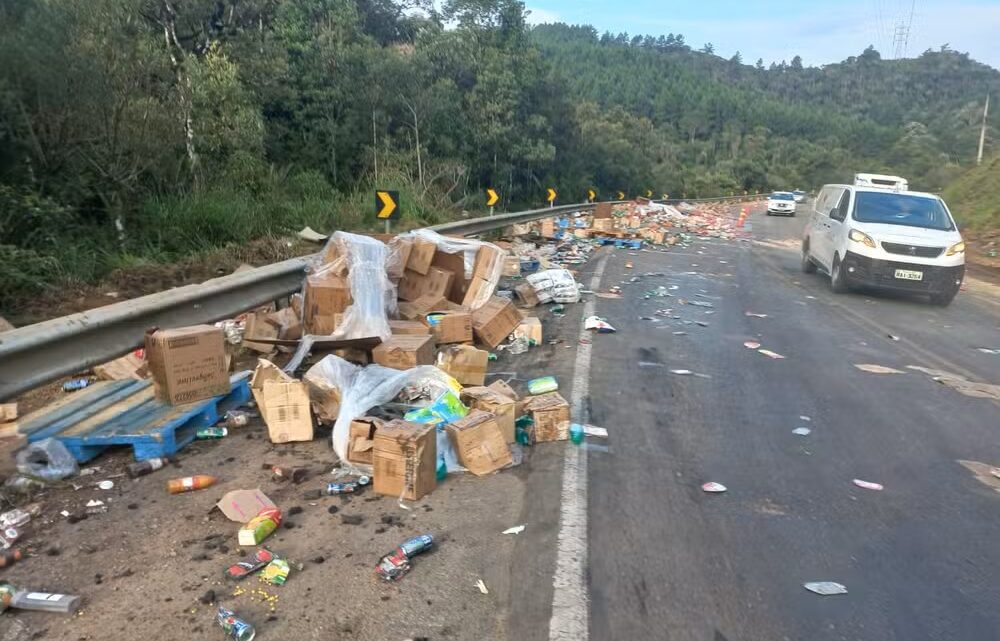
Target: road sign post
491	198
591	195
386	206
551	197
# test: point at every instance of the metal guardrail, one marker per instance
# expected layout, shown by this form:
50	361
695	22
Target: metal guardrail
36	354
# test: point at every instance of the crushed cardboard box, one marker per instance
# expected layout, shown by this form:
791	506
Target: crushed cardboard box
530	328
502	407
464	363
405	351
128	367
188	364
283	403
479	443
404	457
551	417
450	327
362	439
243	505
494	321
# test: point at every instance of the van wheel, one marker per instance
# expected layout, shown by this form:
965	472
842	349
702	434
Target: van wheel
943	299
837	281
808	266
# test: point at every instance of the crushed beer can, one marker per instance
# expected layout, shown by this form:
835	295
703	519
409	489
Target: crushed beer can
348	487
395	565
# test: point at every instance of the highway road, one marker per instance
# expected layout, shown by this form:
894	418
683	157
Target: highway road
665	560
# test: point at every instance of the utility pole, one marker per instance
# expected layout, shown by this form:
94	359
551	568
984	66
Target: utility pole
982	131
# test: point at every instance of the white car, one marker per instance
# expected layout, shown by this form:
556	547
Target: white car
799	195
781	202
889	239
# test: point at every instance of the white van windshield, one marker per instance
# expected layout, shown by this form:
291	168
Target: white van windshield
901	209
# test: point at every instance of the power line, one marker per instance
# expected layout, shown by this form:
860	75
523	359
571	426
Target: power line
901	34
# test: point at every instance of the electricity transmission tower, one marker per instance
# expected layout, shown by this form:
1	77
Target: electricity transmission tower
901	34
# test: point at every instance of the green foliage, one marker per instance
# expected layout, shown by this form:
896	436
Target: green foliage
136	130
974	198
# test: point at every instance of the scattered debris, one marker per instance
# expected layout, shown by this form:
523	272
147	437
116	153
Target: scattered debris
755	315
751	344
599	324
713	487
868	485
770	354
877	369
961	384
892	337
802	431
825	588
517	529
395	565
482	586
682	372
234	627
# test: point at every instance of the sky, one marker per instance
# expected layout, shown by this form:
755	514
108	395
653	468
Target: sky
821	31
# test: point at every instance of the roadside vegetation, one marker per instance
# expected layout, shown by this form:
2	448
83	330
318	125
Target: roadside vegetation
975	197
138	131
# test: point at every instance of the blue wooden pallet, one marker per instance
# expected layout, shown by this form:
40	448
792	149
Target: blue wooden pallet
127	413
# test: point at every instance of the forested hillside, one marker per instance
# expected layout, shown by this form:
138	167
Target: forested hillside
147	129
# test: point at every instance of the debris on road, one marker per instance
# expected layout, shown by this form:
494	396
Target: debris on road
599	325
234	627
48	460
868	485
482	586
755	315
241	570
395	565
260	527
24	599
713	487
961	384
825	588
517	529
190	483
877	369
751	344
682	372
542	385
802	431
770	354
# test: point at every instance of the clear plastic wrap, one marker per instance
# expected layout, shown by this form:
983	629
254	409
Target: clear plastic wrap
364	260
556	285
48	460
488	269
362	388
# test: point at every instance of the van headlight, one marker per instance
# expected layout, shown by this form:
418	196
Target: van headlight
861	237
957	248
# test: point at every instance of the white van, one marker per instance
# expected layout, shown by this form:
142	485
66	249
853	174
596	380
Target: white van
890	239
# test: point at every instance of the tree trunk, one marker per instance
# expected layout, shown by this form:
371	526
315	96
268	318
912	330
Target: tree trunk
184	90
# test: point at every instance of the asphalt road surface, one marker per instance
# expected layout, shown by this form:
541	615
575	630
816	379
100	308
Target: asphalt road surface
669	561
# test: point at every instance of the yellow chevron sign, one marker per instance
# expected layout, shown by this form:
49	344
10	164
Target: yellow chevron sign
591	195
621	195
649	193
551	197
492	197
386	205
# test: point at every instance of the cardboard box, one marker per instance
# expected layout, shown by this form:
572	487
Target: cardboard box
602	210
399	255
450	327
455	264
464	363
550	413
362	439
436	282
8	412
405	351
418	309
548	228
288	323
257	325
128	367
283	403
500	406
603	224
486	274
526	295
324	397
421	255
326	295
501	387
530	328
581	233
495	320
404	457
409	327
187	363
512	266
479	444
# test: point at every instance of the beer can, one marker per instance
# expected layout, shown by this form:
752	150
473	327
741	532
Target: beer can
341	488
416	545
235	628
211	432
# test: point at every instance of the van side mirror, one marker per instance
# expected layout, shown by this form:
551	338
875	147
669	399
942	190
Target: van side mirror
835	213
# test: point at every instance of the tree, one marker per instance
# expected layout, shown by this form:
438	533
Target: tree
796	64
737	59
708	48
759	64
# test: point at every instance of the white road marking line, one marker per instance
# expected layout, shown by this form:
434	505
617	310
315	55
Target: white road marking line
570	598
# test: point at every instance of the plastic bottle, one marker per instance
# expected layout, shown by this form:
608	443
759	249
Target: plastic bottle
9	557
211	433
237	418
442	469
190	483
48	460
576	433
13	597
8	536
142	468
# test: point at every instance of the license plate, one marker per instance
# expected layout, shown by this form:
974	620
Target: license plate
906	274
